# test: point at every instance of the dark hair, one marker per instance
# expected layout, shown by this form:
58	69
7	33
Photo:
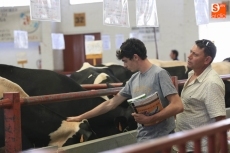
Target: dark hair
175	52
130	47
209	47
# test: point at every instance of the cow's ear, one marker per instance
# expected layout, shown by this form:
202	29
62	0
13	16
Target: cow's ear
86	135
85	131
120	123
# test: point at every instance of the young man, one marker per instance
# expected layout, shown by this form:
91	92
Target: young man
203	92
174	55
148	80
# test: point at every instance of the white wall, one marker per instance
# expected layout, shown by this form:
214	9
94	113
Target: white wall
9	54
46	46
178	30
219	33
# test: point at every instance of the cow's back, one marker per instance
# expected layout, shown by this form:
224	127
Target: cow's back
120	72
39	79
38	121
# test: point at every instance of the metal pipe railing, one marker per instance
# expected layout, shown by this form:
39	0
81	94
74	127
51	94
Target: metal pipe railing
103	86
100	86
12	102
61	97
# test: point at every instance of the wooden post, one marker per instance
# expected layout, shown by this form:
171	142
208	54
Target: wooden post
175	81
155	40
94	57
12	120
22	62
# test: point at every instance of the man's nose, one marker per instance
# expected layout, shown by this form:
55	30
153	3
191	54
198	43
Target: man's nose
190	56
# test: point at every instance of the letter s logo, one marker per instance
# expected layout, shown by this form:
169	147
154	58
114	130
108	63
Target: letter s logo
215	7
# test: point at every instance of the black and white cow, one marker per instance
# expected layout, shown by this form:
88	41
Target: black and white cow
227	59
119	71
43	124
174	68
89	74
180	71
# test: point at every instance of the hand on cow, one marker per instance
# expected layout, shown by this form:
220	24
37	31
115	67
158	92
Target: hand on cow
141	118
74	119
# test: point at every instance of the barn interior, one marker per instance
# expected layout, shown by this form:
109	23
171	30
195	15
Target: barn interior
64	36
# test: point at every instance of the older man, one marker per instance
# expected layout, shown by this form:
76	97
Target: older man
203	92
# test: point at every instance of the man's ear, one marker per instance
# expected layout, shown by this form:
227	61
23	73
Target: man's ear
135	57
208	59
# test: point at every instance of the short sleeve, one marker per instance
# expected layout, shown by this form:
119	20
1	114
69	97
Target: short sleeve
126	91
166	83
215	102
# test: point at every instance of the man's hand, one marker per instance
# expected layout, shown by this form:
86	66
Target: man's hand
141	118
74	119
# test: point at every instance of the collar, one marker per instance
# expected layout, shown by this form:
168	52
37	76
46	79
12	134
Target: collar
147	70
203	75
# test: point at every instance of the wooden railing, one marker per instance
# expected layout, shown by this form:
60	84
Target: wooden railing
103	86
12	102
164	144
176	83
100	86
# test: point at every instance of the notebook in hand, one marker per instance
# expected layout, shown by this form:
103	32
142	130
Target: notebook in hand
147	105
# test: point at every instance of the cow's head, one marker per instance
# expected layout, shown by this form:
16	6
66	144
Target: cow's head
71	133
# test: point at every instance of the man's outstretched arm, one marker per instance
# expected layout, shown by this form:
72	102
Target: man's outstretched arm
100	109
